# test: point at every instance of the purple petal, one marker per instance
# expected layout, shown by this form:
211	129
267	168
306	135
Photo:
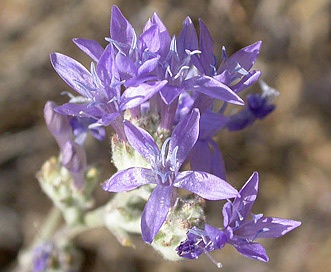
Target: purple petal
164	36
79	110
74	159
213	88
251	250
147	68
211	123
73	73
135	96
170	93
207	56
141	141
184	136
129	179
266	227
217	236
248	195
125	66
218	165
107	119
248	80
156	211
58	124
245	57
187	39
200	156
120	28
205	185
106	66
150	40
90	47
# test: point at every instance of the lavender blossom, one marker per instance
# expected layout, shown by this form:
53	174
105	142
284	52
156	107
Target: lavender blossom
240	231
234	71
165	174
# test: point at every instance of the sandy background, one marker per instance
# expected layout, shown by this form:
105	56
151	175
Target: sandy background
291	149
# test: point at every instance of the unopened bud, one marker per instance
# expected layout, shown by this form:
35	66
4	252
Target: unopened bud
57	124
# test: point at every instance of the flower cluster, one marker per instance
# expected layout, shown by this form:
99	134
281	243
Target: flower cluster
166	98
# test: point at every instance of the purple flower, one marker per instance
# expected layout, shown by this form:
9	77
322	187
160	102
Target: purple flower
164	173
258	107
241	231
234	71
42	256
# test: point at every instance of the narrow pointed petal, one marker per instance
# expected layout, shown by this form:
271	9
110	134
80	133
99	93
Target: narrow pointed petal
213	88
141	141
120	28
266	227
148	67
107	119
207	57
245	57
79	110
155	212
187	39
164	36
248	80
251	250
150	39
90	47
205	185
248	195
129	179
135	96
106	69
72	72
184	136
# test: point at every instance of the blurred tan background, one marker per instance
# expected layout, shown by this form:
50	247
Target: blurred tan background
291	149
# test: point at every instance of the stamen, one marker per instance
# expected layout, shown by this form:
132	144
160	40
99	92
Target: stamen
173	160
181	71
163	151
95	77
224	55
133	44
117	45
218	264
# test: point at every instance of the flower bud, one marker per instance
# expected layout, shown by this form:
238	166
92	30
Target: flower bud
50	256
74	159
57	124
